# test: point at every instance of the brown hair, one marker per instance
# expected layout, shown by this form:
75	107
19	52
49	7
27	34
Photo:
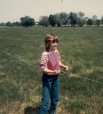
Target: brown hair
47	40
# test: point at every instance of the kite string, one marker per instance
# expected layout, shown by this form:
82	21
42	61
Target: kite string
89	79
72	75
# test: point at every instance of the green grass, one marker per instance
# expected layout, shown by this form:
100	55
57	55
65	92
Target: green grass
81	48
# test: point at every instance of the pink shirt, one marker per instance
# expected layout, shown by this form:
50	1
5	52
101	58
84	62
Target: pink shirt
50	60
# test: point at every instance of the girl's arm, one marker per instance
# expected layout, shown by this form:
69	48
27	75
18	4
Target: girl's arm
63	66
50	72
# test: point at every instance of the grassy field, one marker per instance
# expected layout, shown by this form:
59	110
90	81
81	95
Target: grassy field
81	89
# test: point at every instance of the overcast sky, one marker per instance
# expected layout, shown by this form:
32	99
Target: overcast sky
12	10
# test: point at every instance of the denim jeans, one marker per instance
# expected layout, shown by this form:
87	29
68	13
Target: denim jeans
50	92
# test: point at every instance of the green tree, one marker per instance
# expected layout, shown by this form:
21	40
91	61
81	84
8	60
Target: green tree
16	23
94	19
73	19
64	18
80	19
97	22
102	20
2	24
44	21
9	23
27	21
58	21
89	22
52	20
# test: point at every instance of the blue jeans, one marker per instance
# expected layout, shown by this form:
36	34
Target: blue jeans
50	91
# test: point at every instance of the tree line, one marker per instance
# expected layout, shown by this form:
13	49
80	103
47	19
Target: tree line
59	19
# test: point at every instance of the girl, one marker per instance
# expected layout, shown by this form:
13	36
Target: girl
50	65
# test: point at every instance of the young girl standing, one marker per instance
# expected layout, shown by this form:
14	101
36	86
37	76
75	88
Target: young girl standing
50	64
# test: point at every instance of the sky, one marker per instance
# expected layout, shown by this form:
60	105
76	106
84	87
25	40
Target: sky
13	10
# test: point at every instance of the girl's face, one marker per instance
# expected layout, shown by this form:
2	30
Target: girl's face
53	44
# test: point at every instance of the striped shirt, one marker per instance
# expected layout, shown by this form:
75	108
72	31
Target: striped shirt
50	60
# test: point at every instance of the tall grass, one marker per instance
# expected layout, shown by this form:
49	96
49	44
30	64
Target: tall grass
81	48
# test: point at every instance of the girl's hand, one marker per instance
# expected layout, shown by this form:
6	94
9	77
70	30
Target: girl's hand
66	68
57	71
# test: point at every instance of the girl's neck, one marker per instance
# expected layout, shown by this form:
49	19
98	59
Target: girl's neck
51	50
